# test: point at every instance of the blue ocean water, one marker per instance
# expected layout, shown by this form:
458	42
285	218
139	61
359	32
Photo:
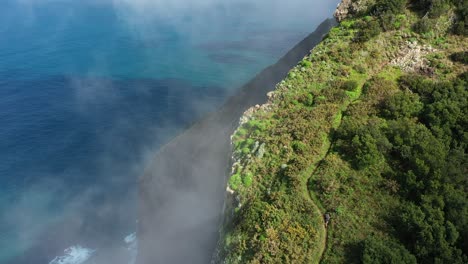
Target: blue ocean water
90	89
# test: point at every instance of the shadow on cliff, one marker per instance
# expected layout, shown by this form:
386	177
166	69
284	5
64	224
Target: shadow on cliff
182	191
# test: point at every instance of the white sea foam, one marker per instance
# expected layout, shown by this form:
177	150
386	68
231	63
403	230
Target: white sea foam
74	255
132	247
130	238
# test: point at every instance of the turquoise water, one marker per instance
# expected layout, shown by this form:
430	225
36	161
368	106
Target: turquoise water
90	89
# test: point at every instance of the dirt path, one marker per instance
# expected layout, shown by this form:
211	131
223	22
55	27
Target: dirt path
323	232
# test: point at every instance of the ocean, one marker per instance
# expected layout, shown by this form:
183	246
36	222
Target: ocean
90	89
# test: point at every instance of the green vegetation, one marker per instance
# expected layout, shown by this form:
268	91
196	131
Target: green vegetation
357	133
410	150
235	181
432	10
377	251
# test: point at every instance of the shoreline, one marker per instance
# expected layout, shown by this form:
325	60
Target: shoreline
180	215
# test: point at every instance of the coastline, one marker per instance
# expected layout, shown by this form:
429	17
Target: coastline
333	143
190	200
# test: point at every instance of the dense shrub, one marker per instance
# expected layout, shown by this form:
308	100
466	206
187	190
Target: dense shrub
363	144
424	25
460	57
388	13
402	104
390	163
461	24
350	85
393	7
378	251
426	157
367	30
306	63
390	21
438	8
420	5
248	179
428	234
235	181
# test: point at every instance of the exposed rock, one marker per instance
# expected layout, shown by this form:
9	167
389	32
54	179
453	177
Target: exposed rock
261	151
256	146
271	95
249	113
229	190
342	10
235	166
411	58
350	7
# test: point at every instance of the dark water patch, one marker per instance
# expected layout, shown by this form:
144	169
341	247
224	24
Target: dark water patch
80	143
275	34
66	117
263	44
228	58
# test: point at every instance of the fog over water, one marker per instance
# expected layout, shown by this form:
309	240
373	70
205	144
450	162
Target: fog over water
90	90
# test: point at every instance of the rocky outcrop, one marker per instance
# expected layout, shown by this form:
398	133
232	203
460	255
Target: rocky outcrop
412	58
350	7
342	10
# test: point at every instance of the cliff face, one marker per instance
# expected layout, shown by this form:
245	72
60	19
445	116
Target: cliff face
366	129
182	193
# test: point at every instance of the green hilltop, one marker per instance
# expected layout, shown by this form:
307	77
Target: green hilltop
370	128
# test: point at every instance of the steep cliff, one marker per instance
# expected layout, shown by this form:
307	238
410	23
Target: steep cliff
182	192
370	128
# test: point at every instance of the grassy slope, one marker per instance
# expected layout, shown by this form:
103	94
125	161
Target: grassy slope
285	192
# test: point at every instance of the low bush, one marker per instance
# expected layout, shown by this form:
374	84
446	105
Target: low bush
306	63
424	25
350	85
378	251
248	179
367	31
235	181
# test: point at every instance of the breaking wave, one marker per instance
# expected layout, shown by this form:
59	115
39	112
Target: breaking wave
74	255
132	247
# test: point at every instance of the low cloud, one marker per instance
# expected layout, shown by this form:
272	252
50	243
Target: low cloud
62	213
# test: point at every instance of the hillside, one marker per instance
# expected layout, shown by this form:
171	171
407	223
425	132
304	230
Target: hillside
371	127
